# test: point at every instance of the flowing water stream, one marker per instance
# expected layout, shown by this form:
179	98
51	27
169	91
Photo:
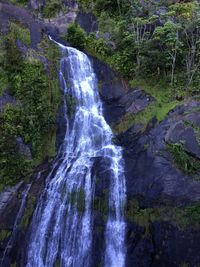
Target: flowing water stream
61	229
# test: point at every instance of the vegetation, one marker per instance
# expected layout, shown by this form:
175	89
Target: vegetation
33	116
153	44
76	36
184	217
158	108
19	2
183	160
137	38
52	8
4	234
28	211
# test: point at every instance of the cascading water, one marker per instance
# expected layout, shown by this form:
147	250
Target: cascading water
61	229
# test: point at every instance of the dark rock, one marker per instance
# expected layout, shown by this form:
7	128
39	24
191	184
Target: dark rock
135	101
11	12
139	248
142	254
21	47
22	148
87	21
111	86
61	126
36	34
36	4
151	176
179	134
9	212
6	195
193	118
5	99
174	247
4	23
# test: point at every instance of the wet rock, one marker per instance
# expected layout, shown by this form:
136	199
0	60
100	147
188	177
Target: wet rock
175	247
61	126
6	195
9	211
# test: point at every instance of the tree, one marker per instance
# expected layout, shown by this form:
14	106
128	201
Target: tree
170	44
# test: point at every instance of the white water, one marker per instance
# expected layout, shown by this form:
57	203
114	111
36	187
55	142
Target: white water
62	224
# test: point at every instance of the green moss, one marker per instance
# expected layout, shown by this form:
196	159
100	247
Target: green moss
159	108
184	217
183	160
28	211
21	3
4	234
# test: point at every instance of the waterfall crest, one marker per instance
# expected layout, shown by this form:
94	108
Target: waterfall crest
61	228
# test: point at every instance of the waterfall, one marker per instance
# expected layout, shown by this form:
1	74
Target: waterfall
61	228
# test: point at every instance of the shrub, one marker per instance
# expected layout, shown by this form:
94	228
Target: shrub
76	36
183	160
51	8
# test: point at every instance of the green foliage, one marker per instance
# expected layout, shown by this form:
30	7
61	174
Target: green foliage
4	234
13	165
21	33
137	43
159	107
19	2
28	211
76	36
52	8
97	47
183	217
183	160
33	116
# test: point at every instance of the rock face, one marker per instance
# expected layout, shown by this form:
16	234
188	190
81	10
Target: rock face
5	99
154	182
151	175
10	203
